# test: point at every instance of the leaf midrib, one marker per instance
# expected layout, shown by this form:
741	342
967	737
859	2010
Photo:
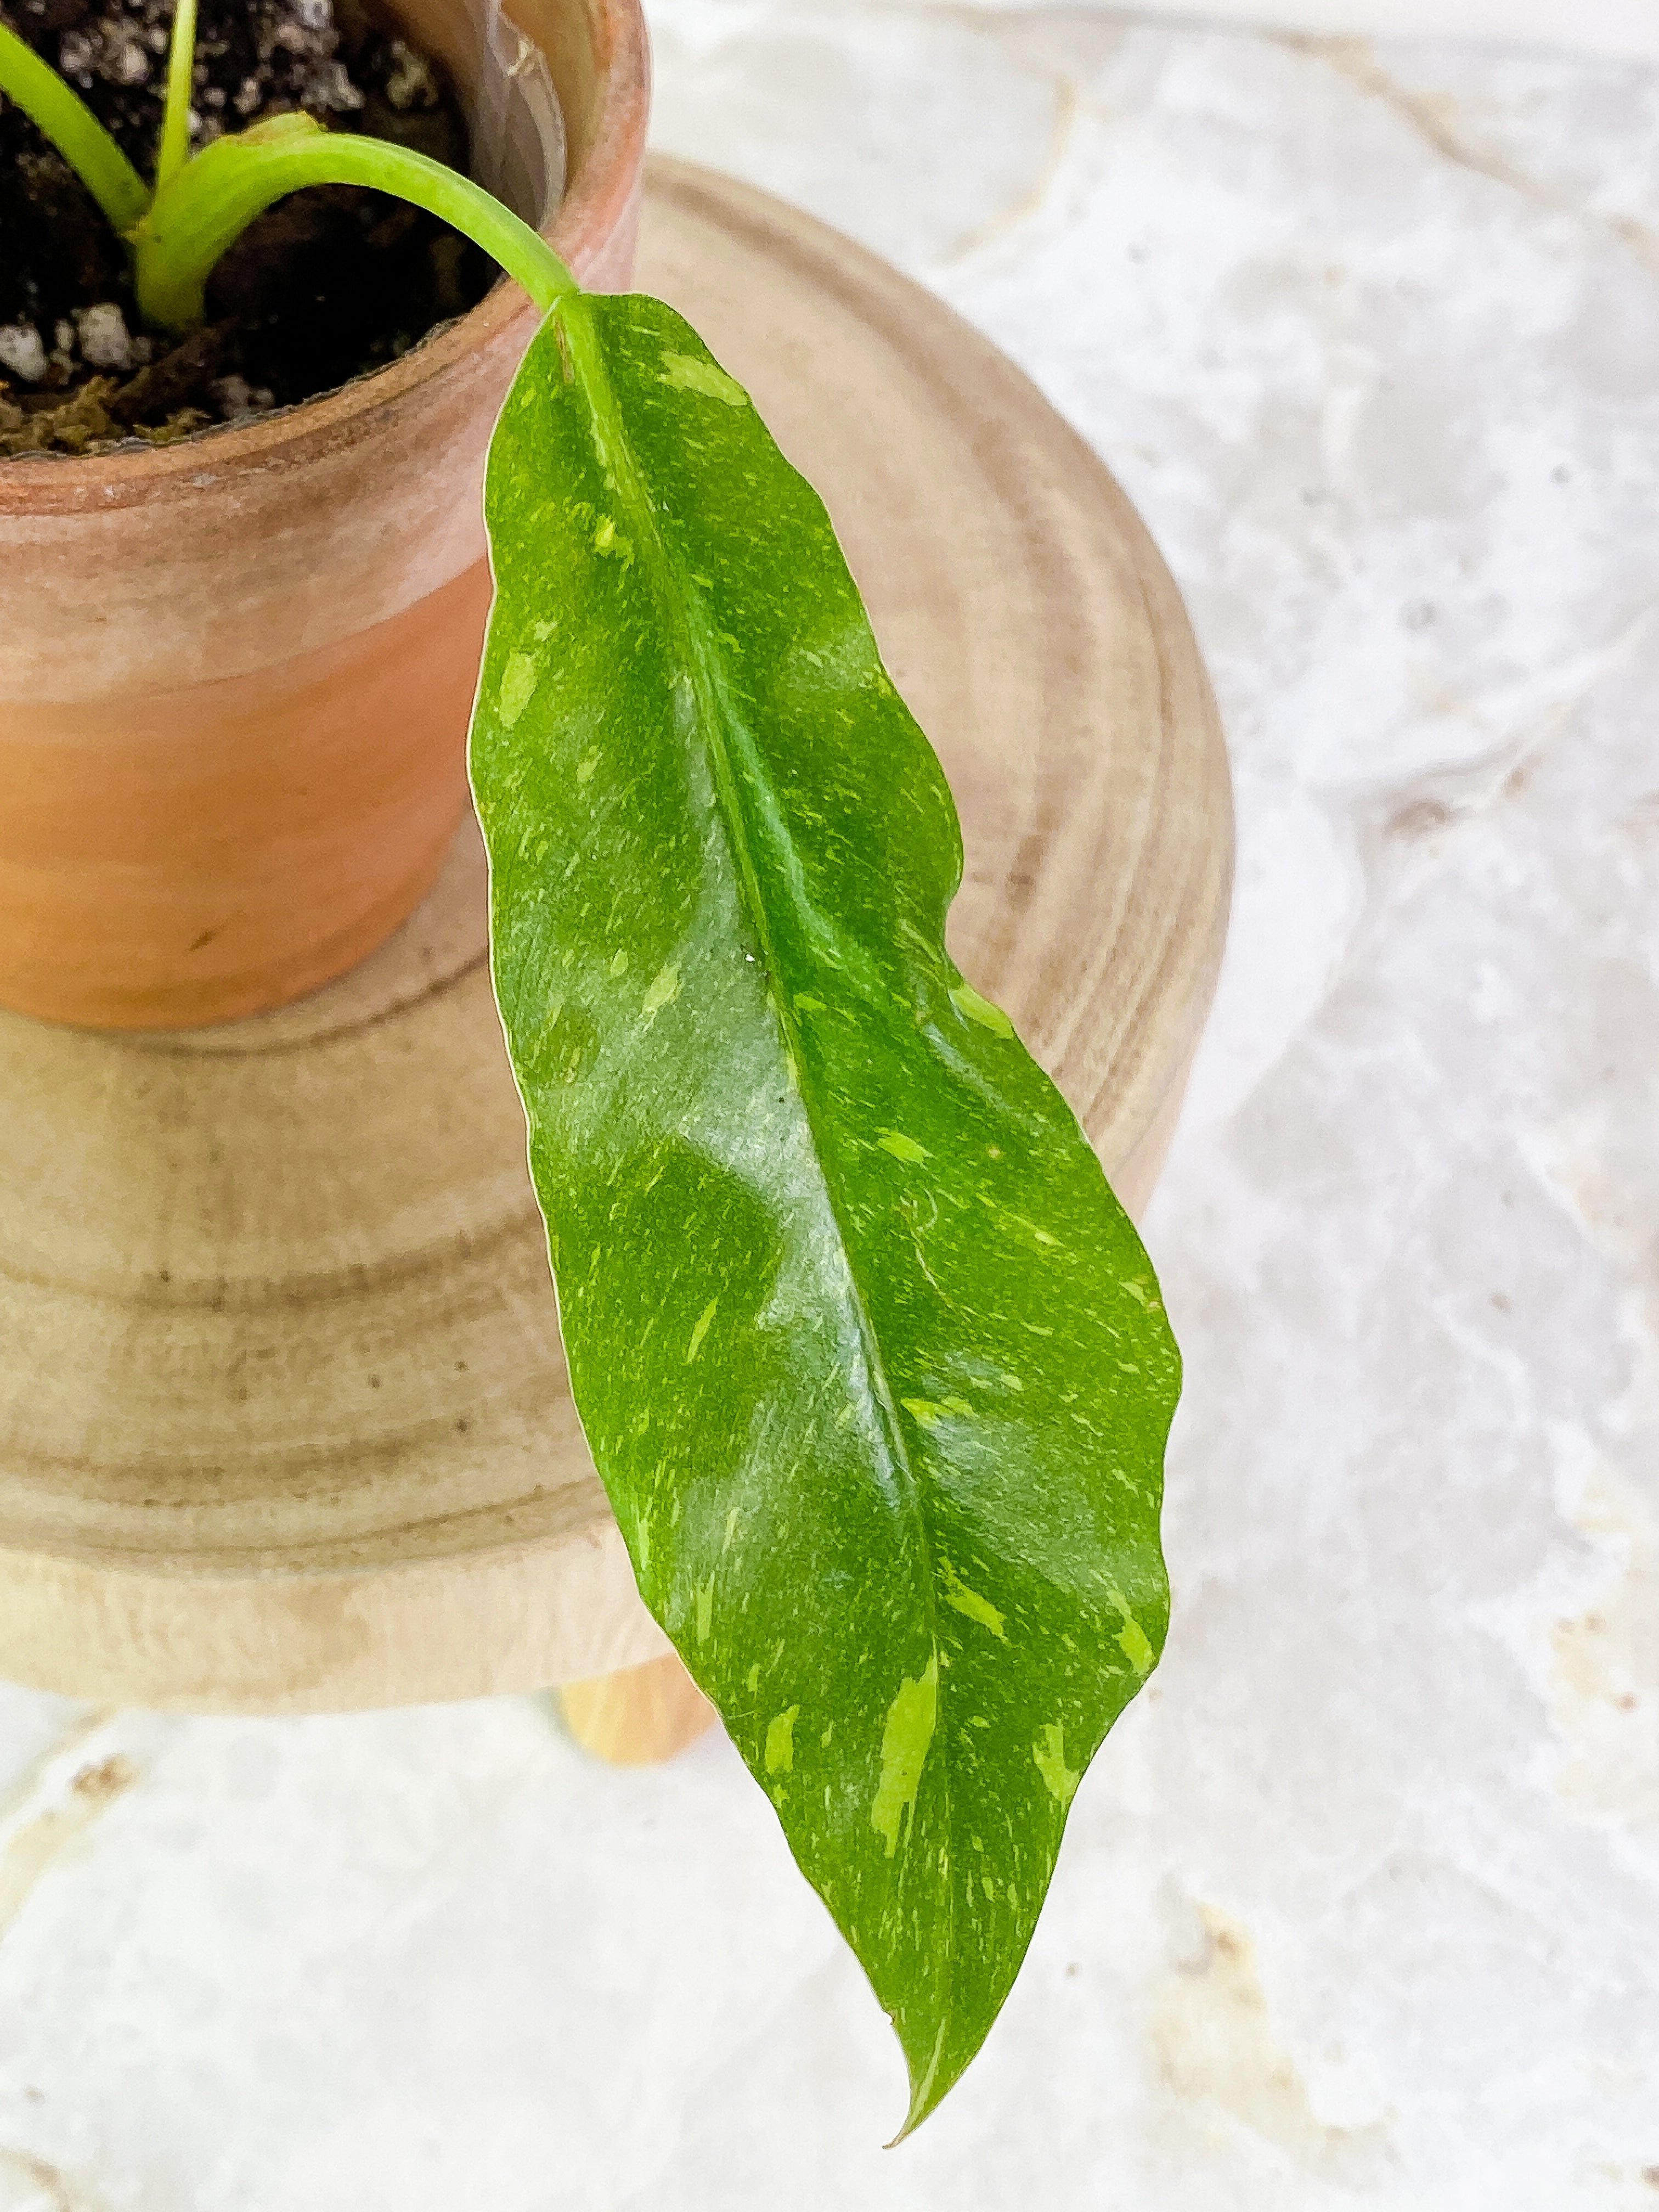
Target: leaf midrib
684	611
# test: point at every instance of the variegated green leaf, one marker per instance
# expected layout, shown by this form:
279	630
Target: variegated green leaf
872	1363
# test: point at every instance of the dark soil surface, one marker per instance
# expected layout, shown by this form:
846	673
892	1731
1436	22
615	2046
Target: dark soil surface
328	285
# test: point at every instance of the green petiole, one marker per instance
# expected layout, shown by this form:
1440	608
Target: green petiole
58	109
174	149
200	212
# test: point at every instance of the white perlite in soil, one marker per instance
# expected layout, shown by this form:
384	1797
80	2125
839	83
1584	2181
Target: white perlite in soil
22	352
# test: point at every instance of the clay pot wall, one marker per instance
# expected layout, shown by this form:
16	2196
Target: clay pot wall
236	673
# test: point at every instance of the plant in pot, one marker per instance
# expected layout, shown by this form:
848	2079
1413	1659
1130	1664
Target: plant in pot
871	1362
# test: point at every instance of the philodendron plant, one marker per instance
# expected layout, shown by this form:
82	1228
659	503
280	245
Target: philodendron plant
871	1363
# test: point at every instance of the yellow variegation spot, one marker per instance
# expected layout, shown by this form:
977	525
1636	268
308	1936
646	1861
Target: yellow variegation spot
705	1610
905	1736
664	990
780	1742
686	372
1048	1753
1136	1645
929	1412
968	1002
968	1602
903	1147
700	1329
522	673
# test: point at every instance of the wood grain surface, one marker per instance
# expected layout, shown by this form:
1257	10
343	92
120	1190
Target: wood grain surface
284	1423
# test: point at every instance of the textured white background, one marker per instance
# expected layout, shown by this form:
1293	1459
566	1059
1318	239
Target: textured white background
1361	1905
1607	27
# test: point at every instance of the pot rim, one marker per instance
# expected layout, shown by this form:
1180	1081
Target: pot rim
592	206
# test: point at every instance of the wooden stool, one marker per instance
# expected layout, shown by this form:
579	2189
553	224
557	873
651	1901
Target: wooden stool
284	1423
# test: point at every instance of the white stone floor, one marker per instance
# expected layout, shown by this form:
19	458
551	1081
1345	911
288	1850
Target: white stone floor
1360	1906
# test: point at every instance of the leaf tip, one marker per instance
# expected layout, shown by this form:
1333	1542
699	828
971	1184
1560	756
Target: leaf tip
927	2090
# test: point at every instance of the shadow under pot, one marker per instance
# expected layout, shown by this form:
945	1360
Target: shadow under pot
236	672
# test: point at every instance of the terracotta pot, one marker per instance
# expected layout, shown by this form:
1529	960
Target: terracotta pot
235	674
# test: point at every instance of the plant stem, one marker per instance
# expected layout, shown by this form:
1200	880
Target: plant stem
58	110
206	206
174	149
